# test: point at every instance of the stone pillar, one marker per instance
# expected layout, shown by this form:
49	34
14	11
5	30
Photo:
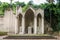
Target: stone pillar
16	22
16	25
35	25
23	25
42	25
39	26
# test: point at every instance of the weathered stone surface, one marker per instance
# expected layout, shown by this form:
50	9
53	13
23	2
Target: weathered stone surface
9	22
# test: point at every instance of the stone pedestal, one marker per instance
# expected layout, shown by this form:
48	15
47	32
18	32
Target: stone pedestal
39	30
20	30
29	30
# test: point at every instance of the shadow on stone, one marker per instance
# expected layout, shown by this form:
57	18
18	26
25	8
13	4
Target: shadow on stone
30	37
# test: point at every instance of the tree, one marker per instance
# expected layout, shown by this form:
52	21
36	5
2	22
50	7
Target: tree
58	1
22	4
58	13
50	1
11	1
51	10
0	2
30	2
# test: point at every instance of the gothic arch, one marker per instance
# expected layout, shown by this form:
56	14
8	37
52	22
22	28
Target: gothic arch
39	23
29	20
19	23
19	14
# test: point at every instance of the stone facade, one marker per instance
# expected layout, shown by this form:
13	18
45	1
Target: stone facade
29	22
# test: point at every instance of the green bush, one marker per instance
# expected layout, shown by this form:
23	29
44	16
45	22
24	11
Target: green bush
3	33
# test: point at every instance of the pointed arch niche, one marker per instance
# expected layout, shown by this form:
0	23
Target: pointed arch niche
19	23
39	23
29	21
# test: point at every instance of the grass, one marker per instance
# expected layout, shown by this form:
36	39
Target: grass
30	35
3	33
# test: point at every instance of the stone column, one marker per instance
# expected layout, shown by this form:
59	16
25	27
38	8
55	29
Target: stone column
42	25
35	25
16	25
23	25
16	22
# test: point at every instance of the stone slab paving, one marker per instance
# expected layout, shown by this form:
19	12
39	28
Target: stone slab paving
1	38
30	37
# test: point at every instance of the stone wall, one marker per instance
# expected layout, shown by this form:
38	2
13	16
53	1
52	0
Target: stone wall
2	23
7	22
